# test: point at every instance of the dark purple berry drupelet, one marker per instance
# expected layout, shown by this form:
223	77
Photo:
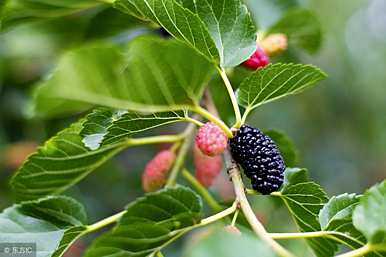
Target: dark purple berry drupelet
259	157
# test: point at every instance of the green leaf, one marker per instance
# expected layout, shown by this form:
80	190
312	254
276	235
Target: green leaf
60	163
52	223
304	199
96	125
286	146
222	30
295	176
19	11
336	215
109	126
337	211
219	242
152	76
302	28
149	223
369	215
276	81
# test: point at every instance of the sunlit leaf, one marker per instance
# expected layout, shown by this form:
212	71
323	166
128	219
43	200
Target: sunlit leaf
109	126
222	30
276	81
153	75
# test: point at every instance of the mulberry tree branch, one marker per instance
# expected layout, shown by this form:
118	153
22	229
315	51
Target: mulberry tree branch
235	175
258	228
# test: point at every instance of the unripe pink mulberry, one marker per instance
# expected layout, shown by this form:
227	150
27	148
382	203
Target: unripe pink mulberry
207	168
156	170
257	60
211	139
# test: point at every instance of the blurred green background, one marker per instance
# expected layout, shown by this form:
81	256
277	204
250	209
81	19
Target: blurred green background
338	127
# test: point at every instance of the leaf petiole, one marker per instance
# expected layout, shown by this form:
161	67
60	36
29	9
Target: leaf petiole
245	115
358	252
194	121
329	234
155	140
103	223
232	96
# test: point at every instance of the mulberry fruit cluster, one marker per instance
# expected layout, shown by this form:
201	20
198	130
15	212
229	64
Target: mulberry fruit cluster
211	140
207	168
156	170
259	157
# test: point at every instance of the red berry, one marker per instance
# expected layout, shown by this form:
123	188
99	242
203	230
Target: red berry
257	60
156	170
207	168
211	140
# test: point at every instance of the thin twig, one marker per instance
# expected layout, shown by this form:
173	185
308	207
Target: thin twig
179	162
213	204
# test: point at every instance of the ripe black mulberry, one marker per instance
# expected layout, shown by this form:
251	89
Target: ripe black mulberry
259	157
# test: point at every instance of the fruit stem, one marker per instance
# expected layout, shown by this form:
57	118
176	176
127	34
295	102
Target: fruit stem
203	112
358	252
256	225
213	204
175	146
179	162
232	96
250	191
